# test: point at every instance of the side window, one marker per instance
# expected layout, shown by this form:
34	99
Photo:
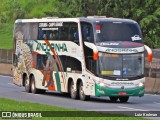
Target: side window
30	31
45	34
53	35
87	32
40	61
64	33
25	31
73	33
67	31
48	30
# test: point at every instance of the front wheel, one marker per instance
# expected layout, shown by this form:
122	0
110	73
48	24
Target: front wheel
124	99
81	93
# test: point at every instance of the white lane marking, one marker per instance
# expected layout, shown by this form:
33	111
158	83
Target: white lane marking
152	94
156	103
132	108
29	93
32	94
5	76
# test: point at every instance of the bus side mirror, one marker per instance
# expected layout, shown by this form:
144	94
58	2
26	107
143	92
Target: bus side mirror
94	48
149	52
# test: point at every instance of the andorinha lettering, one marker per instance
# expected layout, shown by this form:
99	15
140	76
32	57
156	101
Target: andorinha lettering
60	47
121	83
121	50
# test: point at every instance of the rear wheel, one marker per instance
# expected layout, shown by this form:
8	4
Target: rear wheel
124	99
113	99
73	92
27	84
33	86
81	93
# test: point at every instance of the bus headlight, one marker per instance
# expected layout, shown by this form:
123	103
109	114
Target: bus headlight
102	84
141	84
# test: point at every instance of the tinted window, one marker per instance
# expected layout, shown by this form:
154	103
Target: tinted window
25	31
67	31
87	32
110	31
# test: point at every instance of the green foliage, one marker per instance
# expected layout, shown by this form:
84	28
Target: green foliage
145	12
6	36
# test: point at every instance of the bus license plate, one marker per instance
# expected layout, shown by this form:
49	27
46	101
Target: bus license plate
122	93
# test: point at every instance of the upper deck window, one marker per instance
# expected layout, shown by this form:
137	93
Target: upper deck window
67	31
117	31
87	32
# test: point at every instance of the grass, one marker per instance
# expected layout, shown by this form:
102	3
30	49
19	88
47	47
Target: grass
6	36
58	112
31	9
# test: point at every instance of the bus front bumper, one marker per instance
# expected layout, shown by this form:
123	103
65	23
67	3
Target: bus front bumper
106	91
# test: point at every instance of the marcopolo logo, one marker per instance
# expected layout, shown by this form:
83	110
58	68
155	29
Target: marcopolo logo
121	50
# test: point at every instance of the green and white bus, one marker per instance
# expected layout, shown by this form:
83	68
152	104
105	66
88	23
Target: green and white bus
85	56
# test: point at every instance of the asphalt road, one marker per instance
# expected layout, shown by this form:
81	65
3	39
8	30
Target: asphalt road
9	90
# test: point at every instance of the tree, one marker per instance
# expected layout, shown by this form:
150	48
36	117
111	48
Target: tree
145	12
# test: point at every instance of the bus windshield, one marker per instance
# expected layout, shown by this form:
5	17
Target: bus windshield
123	66
117	31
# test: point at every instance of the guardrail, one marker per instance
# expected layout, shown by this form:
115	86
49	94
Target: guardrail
6	56
152	73
153	69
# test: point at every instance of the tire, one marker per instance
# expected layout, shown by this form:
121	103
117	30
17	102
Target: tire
113	99
82	96
73	93
124	99
33	86
66	94
27	84
40	91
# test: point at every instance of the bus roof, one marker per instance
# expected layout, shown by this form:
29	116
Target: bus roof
84	19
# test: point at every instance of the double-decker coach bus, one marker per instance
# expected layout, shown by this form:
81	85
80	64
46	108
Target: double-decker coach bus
86	56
